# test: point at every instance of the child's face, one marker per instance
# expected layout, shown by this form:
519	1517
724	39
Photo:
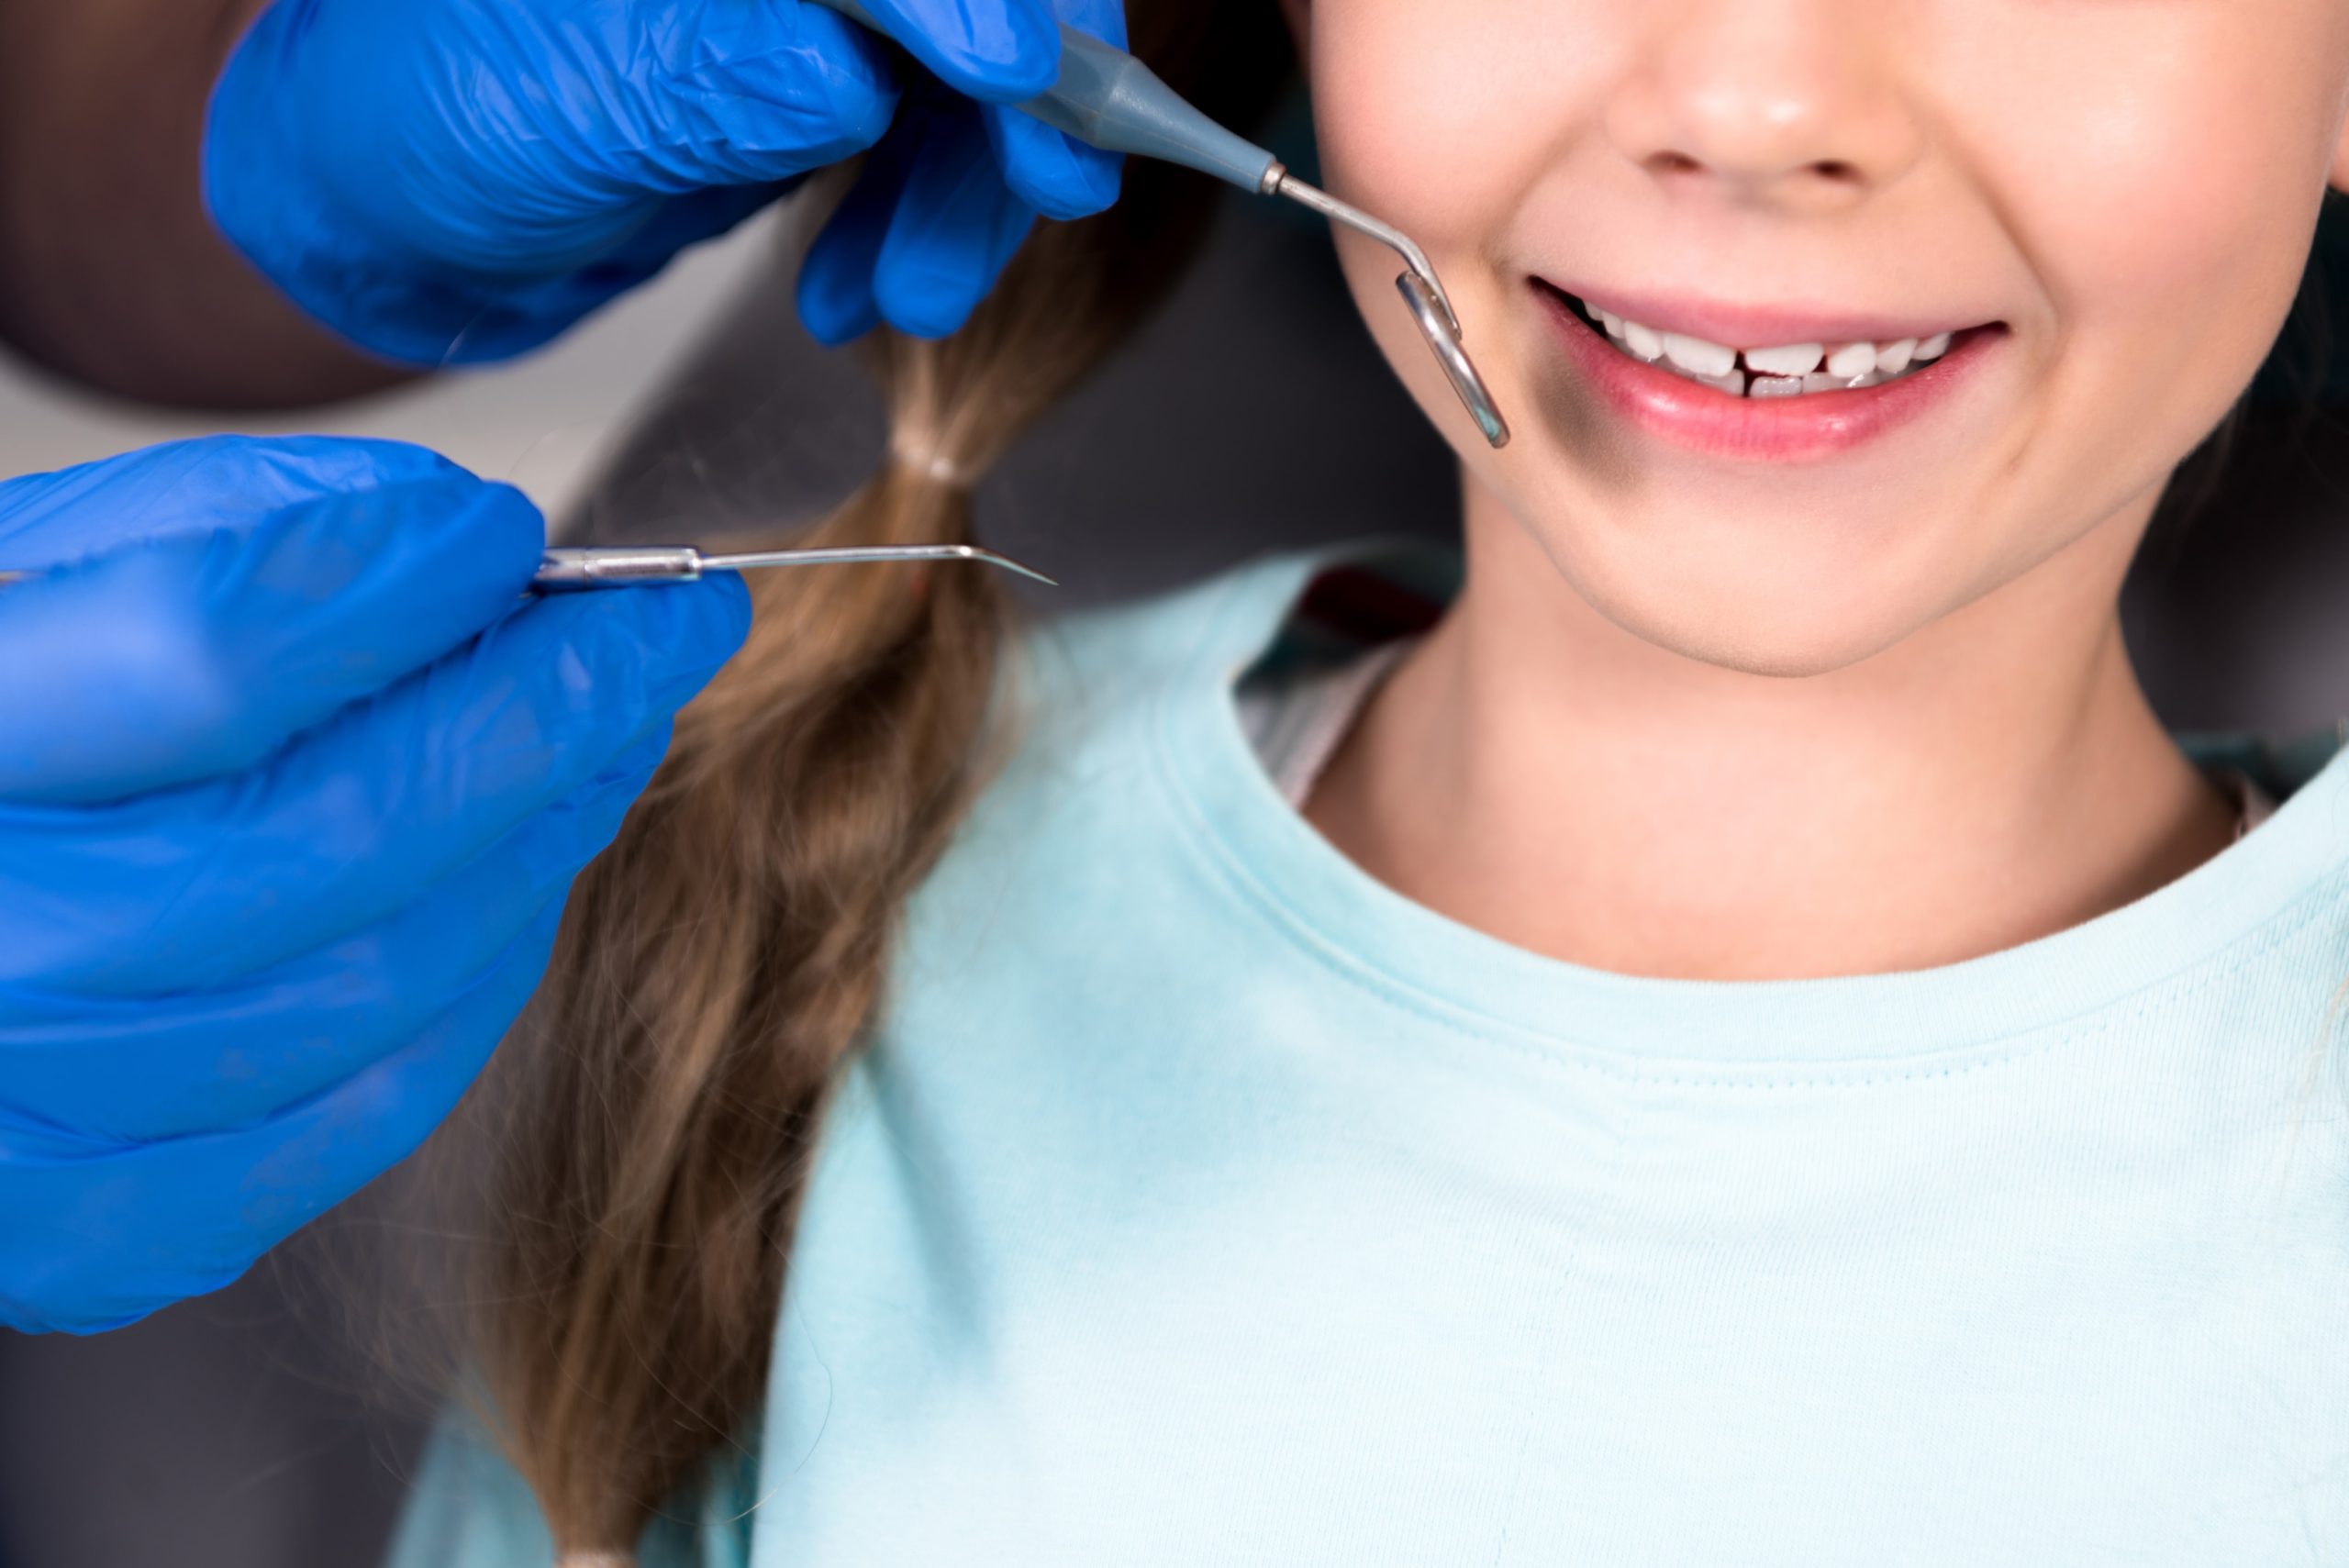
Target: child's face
2117	194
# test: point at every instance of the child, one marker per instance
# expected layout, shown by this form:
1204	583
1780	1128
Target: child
1712	1027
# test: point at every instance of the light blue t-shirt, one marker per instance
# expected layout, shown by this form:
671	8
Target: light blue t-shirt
1202	1200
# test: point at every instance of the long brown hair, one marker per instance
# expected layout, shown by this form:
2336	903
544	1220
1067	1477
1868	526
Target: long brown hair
719	963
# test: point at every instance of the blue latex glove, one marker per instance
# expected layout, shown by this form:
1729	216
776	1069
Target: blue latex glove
292	784
445	180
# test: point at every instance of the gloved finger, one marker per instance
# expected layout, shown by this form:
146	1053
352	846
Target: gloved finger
834	290
198	1211
196	486
994	51
136	1069
525	316
191	888
250	615
1058	175
679	221
705	92
955	226
921	237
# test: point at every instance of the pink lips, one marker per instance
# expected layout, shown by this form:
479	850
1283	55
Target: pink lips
1765	429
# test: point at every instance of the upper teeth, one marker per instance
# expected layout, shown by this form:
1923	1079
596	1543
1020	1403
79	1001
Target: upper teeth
1777	371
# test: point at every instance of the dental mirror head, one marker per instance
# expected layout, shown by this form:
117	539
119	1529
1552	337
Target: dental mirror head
1420	289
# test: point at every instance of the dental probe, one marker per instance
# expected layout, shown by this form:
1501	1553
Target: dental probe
568	570
1109	99
597	566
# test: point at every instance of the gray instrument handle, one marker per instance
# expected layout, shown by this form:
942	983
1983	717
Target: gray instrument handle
1109	99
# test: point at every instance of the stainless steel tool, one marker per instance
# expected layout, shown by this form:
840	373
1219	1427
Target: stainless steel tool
572	568
622	566
1109	99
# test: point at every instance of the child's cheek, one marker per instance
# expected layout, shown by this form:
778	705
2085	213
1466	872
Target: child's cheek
1435	116
2161	183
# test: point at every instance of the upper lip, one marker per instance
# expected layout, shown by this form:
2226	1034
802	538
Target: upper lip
1760	325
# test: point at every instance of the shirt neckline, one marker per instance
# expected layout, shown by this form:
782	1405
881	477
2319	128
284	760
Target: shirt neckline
2262	885
1311	717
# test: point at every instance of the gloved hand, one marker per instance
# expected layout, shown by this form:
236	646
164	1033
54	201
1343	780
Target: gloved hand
459	180
291	784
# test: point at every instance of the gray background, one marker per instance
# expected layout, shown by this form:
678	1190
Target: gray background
246	1430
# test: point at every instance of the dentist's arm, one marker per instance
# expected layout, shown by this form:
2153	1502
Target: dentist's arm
441	181
110	272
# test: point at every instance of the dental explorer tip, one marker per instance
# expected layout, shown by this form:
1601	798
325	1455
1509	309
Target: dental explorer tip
973	553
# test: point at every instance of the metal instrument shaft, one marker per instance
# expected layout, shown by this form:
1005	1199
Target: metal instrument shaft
1109	99
620	566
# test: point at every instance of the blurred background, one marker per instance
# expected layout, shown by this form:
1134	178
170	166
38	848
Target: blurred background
257	1428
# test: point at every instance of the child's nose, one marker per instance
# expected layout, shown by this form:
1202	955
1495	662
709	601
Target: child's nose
1797	103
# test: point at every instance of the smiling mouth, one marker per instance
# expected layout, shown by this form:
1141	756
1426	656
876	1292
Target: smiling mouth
1789	370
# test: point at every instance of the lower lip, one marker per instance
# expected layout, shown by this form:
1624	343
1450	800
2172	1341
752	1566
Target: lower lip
1814	425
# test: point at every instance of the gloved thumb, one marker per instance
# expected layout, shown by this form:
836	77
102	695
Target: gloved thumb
994	50
195	655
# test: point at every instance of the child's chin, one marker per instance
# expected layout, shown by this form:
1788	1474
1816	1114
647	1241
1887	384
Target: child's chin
1784	633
